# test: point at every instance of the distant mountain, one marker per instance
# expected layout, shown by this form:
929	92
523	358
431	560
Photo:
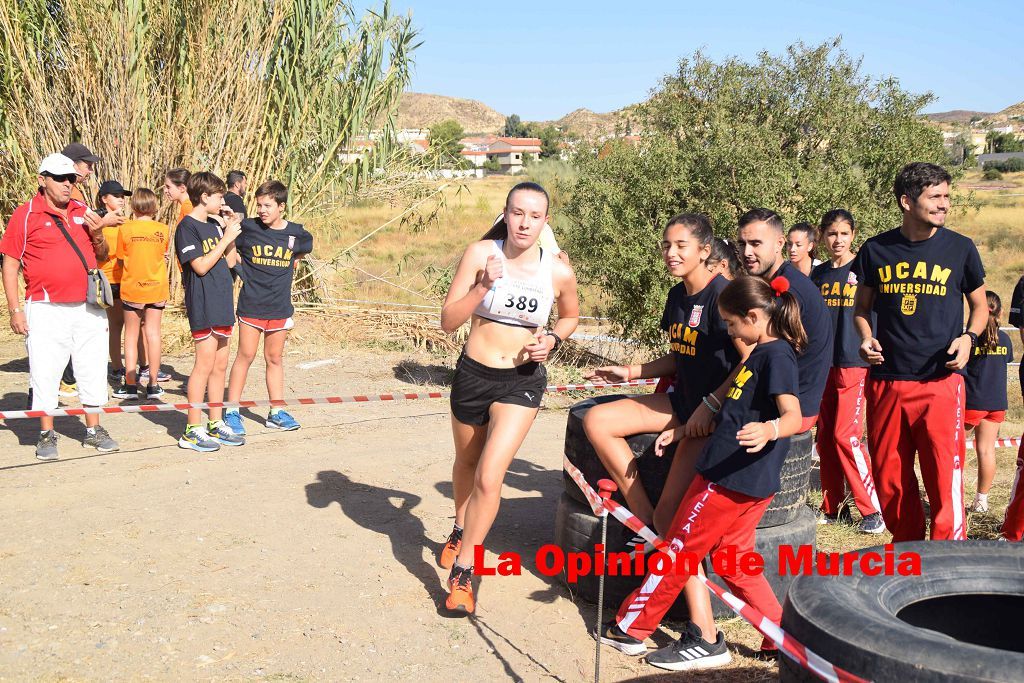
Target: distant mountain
584	123
421	110
1013	110
956	116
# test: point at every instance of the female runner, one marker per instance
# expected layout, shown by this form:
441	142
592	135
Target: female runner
506	288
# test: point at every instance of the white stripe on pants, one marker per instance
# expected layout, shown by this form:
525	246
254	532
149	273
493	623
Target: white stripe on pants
57	332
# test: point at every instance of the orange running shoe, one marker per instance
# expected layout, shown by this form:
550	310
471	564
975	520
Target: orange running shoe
460	597
451	550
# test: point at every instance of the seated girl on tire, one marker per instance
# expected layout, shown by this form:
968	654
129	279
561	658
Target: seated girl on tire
737	475
702	357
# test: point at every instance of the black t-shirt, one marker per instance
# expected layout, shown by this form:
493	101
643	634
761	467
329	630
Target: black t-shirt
919	298
236	203
985	375
208	298
816	359
770	371
703	350
838	288
1016	318
268	266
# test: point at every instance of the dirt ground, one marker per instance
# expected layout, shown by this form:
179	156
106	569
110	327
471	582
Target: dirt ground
299	556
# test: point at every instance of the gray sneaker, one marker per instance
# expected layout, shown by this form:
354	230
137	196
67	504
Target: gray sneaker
46	448
100	440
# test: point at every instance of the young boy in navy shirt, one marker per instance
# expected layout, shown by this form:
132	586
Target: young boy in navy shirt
206	252
270	247
914	279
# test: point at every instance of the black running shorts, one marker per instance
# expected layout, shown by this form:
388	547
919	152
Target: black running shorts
476	386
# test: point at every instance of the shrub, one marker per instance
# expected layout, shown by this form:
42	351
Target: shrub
991	173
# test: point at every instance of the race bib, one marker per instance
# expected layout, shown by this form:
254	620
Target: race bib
521	300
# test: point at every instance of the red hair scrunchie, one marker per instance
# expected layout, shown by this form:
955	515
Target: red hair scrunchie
779	285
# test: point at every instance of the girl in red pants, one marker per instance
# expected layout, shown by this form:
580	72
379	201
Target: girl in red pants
737	475
841	420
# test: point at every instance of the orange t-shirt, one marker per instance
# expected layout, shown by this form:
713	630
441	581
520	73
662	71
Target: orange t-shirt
141	245
186	209
112	267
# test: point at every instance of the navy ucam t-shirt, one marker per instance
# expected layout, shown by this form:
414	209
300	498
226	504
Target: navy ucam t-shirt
1017	320
703	350
209	298
268	266
770	371
838	289
919	298
985	375
816	359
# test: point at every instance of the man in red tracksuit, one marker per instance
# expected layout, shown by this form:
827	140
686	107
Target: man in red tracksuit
914	278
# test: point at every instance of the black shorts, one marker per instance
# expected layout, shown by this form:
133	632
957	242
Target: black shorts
682	407
115	291
476	386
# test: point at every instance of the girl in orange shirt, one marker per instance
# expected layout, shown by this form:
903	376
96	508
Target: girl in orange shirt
111	200
142	251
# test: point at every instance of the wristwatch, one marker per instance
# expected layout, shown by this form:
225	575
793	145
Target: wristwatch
12	311
558	340
974	338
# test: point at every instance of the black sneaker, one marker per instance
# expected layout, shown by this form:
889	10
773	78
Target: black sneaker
154	391
128	391
872	524
771	655
691	652
612	635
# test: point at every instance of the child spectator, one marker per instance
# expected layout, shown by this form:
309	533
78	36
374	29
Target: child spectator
206	253
176	190
985	387
737	476
110	200
142	253
269	249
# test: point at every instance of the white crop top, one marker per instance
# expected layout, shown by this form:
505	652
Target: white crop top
521	303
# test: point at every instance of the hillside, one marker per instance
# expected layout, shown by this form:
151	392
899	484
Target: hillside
421	110
1013	110
956	116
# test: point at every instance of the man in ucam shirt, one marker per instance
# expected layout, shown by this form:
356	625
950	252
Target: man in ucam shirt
759	242
914	279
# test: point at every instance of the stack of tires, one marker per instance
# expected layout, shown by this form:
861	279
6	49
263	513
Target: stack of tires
787	521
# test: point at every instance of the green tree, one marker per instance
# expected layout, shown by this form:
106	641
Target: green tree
801	133
445	149
550	139
514	127
1002	142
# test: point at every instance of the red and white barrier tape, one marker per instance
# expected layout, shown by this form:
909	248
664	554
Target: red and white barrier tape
164	407
786	643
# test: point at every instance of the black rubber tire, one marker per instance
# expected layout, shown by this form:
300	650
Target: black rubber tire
651	469
971	590
578	530
784	508
792	496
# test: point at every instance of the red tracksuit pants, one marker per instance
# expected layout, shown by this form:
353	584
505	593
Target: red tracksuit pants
927	418
1013	525
709	517
843	457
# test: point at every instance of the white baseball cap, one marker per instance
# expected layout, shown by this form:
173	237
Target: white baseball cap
57	164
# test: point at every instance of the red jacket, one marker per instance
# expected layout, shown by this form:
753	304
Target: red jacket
53	271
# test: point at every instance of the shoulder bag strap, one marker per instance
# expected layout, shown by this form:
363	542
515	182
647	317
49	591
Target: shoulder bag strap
60	224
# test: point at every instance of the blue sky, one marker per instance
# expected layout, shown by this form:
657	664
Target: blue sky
541	60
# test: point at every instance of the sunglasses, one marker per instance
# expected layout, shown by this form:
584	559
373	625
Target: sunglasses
66	178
